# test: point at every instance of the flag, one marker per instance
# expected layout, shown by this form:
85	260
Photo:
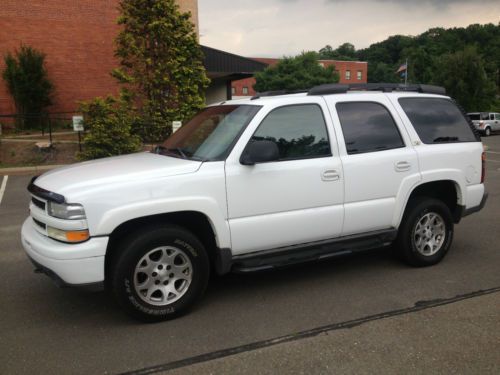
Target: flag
402	68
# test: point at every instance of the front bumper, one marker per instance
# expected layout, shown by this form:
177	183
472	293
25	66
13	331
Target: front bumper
70	264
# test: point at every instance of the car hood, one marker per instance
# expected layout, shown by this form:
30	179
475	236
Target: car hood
114	170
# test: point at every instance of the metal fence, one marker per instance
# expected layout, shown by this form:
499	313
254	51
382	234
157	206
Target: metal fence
45	123
48	123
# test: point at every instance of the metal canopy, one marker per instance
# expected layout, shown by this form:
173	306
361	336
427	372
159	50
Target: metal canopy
221	64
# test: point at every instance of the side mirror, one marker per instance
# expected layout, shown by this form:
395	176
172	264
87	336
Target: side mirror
260	152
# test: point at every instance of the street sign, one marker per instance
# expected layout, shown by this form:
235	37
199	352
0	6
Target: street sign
78	123
176	125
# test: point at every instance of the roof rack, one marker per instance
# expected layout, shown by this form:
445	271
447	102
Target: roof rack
277	93
335	88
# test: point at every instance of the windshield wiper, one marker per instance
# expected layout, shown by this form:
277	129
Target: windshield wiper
445	139
172	150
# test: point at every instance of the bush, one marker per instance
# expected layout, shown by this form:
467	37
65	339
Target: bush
108	122
28	83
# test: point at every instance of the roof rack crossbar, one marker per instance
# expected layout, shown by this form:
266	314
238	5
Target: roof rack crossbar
335	88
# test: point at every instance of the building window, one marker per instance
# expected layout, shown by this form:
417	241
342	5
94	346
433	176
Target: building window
245	90
233	90
359	75
347	74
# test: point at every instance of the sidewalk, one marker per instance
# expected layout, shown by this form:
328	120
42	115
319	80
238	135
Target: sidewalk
27	170
462	337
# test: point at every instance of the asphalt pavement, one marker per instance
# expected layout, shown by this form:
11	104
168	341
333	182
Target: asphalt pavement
366	313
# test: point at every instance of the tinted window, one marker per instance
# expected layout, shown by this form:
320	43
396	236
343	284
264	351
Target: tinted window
299	131
437	120
474	116
368	127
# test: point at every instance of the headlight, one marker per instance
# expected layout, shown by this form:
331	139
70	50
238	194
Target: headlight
66	211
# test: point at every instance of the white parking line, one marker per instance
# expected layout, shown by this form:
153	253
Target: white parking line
492	152
2	188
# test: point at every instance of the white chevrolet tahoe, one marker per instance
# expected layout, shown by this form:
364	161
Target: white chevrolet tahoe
259	183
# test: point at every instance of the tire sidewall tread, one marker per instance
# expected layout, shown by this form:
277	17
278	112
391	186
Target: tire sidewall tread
417	208
138	244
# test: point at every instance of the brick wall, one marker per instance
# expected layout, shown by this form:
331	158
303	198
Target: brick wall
341	66
77	37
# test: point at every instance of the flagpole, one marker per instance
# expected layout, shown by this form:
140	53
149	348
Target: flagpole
406	74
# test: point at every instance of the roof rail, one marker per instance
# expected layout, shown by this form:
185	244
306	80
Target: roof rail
335	88
276	93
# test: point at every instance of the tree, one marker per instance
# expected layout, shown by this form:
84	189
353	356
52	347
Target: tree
295	73
28	83
109	122
345	51
160	63
462	74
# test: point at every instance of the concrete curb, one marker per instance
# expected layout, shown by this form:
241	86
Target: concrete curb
28	170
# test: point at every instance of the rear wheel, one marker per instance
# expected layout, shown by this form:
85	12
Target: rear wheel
426	233
487	132
160	273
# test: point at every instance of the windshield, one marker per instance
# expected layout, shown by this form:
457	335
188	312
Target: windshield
210	134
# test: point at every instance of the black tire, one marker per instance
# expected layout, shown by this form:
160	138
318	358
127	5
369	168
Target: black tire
487	132
171	244
411	246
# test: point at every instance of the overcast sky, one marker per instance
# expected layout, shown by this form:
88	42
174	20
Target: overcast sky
273	28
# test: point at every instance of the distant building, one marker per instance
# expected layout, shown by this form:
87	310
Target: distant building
349	72
78	38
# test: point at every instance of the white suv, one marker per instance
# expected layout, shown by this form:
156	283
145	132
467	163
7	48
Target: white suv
259	183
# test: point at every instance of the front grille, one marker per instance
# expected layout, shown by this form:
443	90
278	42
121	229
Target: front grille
38	203
39	223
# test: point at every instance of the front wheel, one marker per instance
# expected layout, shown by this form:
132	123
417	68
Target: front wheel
426	233
160	273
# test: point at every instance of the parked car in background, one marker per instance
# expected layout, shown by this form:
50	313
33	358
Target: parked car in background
485	122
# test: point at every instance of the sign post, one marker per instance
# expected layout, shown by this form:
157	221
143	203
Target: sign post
78	127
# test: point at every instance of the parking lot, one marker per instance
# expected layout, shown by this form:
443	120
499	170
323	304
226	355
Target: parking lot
45	329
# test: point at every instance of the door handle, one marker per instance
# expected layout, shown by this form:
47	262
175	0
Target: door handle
402	166
330	175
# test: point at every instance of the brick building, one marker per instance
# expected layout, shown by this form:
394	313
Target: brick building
349	72
78	38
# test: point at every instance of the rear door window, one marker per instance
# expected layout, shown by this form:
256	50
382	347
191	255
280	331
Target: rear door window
437	120
368	127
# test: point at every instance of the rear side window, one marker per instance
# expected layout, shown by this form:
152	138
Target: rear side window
437	120
298	130
368	127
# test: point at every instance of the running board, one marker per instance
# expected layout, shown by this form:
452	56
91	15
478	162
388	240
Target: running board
311	251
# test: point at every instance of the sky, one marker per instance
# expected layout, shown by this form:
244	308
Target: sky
276	28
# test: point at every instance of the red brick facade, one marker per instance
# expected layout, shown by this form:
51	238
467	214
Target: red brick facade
76	35
349	72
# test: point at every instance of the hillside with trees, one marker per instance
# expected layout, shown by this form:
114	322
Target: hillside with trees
466	61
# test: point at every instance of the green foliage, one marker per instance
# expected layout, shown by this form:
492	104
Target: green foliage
28	83
295	73
428	55
160	63
465	79
345	52
109	122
